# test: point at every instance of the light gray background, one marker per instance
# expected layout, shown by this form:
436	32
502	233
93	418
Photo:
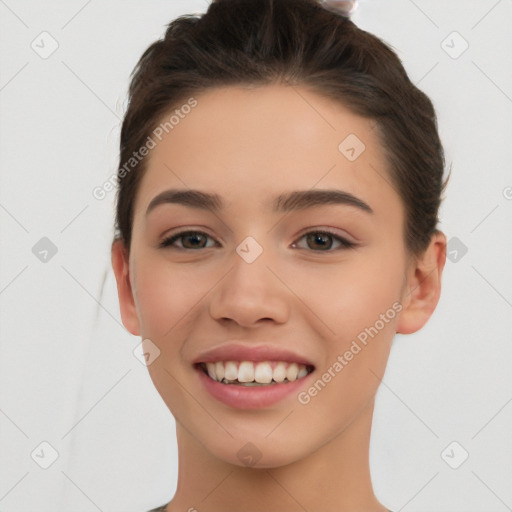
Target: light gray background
69	377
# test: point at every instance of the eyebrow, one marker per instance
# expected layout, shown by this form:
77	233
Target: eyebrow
289	201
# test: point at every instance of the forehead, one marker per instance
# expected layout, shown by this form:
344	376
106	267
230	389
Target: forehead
249	144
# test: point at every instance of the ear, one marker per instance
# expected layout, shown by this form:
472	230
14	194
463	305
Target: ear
423	286
120	265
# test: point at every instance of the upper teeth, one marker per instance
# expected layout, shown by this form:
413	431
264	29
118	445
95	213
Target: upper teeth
263	372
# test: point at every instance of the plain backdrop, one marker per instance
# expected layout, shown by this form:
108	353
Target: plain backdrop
74	397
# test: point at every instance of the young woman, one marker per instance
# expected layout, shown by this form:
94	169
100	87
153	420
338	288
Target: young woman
279	185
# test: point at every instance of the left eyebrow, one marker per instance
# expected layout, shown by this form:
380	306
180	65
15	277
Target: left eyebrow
289	201
302	199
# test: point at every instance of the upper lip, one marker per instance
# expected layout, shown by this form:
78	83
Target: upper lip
241	352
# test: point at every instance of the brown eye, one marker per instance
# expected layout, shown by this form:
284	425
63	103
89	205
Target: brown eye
321	241
318	241
190	240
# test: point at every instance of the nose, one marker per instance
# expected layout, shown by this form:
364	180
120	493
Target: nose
251	294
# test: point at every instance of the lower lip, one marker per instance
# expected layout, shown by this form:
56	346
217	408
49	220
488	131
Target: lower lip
250	397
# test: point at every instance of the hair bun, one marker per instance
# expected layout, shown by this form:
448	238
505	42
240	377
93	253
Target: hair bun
343	7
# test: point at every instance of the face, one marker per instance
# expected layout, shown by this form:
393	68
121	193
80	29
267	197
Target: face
280	282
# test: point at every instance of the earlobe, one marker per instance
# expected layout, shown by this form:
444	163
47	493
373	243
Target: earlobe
120	265
423	287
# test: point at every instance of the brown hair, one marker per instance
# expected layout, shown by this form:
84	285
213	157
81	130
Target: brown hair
259	42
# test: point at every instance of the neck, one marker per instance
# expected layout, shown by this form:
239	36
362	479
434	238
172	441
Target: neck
336	477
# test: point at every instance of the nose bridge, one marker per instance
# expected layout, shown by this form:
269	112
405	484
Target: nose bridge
250	263
250	291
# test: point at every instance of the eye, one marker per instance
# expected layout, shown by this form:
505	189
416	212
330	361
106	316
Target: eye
196	237
191	240
321	240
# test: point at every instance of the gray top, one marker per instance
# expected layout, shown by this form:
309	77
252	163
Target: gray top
162	509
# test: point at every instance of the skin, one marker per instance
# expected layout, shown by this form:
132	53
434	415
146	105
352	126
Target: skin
249	145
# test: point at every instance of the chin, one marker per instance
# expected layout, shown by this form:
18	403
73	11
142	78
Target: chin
260	453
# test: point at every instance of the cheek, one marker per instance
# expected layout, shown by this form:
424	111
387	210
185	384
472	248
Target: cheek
166	296
353	296
364	308
370	294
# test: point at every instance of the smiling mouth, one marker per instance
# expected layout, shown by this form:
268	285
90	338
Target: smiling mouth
257	373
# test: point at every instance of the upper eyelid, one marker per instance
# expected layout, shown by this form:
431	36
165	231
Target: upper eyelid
329	231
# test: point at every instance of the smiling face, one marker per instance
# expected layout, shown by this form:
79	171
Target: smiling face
260	279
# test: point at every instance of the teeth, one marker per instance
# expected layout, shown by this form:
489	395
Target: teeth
219	370
280	372
230	371
292	372
302	372
211	370
263	373
252	374
246	372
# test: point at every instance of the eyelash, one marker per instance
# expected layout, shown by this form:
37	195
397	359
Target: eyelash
168	242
